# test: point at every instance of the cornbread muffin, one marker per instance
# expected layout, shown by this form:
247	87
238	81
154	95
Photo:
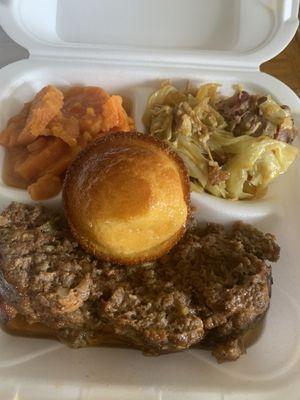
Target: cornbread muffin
126	198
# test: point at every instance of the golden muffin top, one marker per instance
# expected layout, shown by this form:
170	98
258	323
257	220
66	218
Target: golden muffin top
126	198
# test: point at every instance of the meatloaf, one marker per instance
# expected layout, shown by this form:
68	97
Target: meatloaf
208	290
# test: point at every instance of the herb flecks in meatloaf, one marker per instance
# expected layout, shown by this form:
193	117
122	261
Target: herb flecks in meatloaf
208	290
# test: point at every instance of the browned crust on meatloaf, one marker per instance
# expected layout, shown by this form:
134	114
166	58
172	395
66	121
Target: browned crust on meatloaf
210	288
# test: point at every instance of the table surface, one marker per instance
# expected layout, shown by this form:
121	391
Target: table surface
286	66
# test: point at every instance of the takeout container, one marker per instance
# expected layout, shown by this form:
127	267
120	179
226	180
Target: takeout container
127	47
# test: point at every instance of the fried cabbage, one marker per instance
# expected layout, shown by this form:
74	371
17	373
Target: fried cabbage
209	133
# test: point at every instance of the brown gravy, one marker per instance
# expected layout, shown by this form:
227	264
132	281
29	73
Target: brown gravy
254	333
19	327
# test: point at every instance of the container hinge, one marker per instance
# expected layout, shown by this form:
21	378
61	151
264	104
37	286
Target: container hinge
144	63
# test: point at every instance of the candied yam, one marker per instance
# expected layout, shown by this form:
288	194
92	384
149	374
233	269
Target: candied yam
111	113
50	131
45	106
115	117
9	136
84	139
45	187
80	101
14	156
85	104
123	124
6	135
66	128
36	163
38	144
60	165
71	129
131	124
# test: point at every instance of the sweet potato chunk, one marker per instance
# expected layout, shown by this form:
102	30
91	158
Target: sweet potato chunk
36	163
85	104
114	116
45	106
45	187
61	164
14	156
44	138
78	100
111	113
131	124
66	128
123	124
9	136
38	144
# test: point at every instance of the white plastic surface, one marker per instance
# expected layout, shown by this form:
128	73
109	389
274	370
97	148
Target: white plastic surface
33	369
41	369
241	33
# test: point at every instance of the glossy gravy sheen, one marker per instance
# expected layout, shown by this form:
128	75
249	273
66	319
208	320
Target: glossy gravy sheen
19	327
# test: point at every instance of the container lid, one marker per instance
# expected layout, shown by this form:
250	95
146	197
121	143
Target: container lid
240	33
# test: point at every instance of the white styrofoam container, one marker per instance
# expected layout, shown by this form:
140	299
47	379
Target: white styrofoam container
127	47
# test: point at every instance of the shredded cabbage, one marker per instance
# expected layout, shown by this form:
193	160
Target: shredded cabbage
219	161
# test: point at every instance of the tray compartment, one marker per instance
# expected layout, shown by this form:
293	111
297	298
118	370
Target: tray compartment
272	361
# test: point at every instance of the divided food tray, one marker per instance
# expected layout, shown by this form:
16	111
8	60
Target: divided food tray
84	47
271	366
